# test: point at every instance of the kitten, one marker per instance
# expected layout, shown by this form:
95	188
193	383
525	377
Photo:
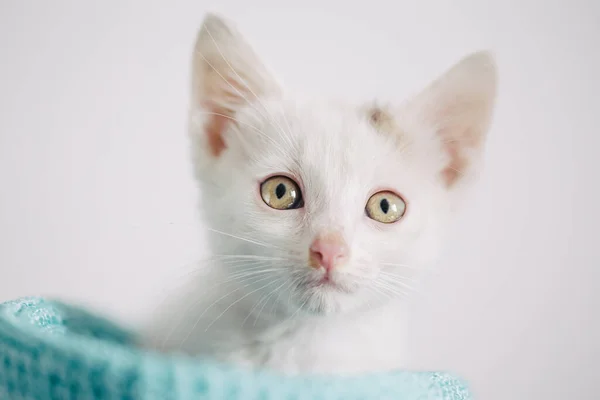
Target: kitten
321	214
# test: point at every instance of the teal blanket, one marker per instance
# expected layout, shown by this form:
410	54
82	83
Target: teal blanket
49	350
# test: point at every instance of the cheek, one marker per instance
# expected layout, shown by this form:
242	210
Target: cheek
369	248
386	244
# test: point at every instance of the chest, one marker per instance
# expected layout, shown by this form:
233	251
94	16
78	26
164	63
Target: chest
342	347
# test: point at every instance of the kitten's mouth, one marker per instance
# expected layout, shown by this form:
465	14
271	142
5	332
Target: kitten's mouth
328	283
321	295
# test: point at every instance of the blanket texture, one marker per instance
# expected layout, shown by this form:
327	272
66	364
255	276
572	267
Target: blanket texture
53	351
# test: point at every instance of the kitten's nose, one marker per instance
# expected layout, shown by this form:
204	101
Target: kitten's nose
328	251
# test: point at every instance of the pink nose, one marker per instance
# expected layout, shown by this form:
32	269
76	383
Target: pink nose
328	251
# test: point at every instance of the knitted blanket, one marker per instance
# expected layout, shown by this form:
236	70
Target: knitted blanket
53	351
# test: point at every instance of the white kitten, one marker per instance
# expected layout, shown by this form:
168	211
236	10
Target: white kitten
321	213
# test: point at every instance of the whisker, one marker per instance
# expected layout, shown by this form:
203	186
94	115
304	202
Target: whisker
248	265
375	289
267	300
393	280
213	304
291	281
388	264
240	275
252	309
234	303
389	289
246	257
397	277
245	239
189	308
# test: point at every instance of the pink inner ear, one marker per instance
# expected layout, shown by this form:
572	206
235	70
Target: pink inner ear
218	91
214	129
459	136
453	171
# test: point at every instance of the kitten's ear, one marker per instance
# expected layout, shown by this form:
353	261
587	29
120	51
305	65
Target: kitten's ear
226	75
459	105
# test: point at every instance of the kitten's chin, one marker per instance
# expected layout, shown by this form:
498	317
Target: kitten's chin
327	299
319	307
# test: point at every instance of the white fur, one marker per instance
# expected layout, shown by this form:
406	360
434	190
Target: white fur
248	304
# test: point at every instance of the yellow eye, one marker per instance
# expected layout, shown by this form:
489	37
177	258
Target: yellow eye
281	193
385	207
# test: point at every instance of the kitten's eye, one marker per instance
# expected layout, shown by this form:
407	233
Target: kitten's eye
385	207
281	193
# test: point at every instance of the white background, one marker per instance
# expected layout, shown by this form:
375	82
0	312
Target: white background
97	203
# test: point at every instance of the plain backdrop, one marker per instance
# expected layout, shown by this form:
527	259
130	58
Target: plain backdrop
97	203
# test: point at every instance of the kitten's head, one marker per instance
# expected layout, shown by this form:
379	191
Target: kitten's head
328	207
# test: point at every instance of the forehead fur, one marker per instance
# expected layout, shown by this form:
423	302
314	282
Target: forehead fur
335	140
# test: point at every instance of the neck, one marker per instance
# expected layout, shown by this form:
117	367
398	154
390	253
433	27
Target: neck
350	342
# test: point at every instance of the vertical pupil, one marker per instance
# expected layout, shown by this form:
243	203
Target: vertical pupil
385	205
280	190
